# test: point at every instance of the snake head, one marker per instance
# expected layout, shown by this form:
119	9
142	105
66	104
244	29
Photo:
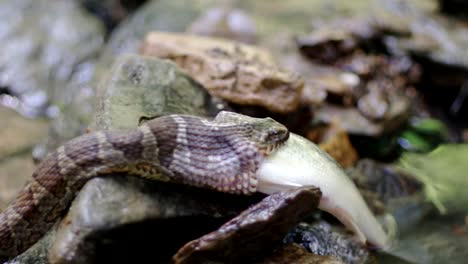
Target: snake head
266	133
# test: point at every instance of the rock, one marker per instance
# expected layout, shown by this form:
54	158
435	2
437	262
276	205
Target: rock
438	43
153	15
387	180
335	142
319	80
225	22
392	193
235	72
139	88
355	123
255	231
320	239
41	54
38	253
148	220
111	12
295	254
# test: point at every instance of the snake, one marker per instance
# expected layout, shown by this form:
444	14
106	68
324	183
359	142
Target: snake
222	153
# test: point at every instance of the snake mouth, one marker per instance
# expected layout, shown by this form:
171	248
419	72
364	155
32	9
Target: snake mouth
270	148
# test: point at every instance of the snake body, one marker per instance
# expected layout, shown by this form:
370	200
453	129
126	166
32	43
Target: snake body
222	154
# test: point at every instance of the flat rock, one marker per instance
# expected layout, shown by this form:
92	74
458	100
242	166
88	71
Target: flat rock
255	231
235	72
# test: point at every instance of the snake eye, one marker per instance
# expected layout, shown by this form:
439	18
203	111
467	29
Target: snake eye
273	132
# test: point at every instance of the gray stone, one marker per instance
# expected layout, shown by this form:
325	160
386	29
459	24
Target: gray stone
115	212
139	88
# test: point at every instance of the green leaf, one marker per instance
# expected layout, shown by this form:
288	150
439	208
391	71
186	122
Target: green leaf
429	126
412	141
444	173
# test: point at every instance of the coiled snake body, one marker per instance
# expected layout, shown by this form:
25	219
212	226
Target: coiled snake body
222	154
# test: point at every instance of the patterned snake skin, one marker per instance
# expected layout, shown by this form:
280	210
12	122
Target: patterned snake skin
222	154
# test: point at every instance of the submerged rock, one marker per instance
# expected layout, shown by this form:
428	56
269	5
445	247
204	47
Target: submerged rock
254	232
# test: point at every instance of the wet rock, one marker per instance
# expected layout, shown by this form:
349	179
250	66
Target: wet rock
114	214
139	88
255	231
235	72
295	254
320	239
41	54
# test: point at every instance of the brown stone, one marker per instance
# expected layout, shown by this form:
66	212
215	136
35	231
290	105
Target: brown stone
235	72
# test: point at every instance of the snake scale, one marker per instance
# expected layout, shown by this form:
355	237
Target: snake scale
222	154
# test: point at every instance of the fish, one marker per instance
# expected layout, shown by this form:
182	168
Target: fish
299	162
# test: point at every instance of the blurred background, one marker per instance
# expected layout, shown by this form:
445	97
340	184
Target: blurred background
385	90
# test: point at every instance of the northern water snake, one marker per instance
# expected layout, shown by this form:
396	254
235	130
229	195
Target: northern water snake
222	154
